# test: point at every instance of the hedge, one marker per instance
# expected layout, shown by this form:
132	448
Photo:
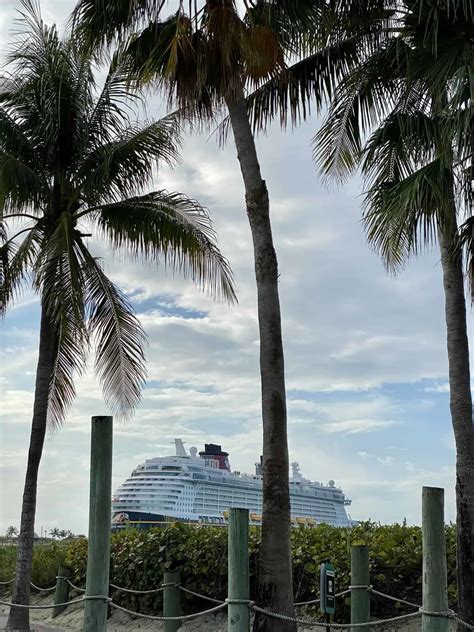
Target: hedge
138	559
46	560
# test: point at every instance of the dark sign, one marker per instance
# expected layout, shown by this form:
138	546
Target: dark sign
328	588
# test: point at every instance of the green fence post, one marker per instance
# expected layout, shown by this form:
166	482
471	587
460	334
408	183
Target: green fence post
238	572
435	576
98	558
360	576
172	599
61	594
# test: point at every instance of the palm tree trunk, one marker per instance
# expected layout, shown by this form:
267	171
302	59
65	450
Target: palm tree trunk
462	417
275	585
19	617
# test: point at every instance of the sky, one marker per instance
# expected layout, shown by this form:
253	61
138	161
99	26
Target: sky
365	353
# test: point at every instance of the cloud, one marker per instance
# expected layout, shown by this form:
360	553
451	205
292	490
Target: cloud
438	388
352	426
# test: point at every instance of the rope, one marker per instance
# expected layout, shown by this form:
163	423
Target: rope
138	592
191	592
182	617
397	599
361	587
96	598
318	624
10	581
314	601
307	603
42	589
29	607
454	617
82	590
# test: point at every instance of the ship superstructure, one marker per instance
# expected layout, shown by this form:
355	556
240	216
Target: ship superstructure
200	488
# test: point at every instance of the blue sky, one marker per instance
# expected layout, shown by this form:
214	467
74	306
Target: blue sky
365	353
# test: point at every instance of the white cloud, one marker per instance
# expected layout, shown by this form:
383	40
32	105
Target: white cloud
438	388
353	426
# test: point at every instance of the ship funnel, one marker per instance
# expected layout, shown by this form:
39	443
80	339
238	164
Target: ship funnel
179	445
214	452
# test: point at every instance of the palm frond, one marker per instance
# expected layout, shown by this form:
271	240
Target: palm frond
16	265
466	242
312	80
119	336
175	229
98	23
59	278
110	113
403	217
122	167
21	186
70	354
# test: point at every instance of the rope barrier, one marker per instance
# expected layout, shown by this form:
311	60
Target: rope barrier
138	592
455	617
182	617
315	601
42	589
82	590
10	581
361	587
318	624
191	592
43	607
450	614
397	599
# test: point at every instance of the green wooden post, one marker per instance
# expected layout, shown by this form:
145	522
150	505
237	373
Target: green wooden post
435	577
61	594
172	599
98	559
238	571
360	576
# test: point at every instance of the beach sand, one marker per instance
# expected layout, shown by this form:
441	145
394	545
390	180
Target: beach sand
72	620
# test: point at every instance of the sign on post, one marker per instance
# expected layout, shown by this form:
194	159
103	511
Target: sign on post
328	588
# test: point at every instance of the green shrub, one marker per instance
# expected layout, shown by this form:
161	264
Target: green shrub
46	561
138	559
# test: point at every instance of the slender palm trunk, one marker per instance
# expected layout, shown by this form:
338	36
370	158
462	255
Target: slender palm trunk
275	585
19	617
462	418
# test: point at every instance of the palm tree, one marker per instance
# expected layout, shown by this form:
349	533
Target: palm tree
73	164
11	532
404	115
204	59
55	533
401	109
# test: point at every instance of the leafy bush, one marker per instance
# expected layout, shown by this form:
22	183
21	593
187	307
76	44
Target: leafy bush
46	560
139	558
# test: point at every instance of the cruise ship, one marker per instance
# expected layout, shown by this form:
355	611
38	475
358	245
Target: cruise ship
200	488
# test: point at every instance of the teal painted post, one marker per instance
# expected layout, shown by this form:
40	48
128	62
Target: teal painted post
61	594
360	576
172	599
98	559
238	572
435	576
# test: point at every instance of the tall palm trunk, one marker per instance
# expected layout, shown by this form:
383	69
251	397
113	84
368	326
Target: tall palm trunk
19	617
275	585
461	415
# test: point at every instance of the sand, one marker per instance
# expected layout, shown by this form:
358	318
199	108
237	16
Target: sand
72	620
